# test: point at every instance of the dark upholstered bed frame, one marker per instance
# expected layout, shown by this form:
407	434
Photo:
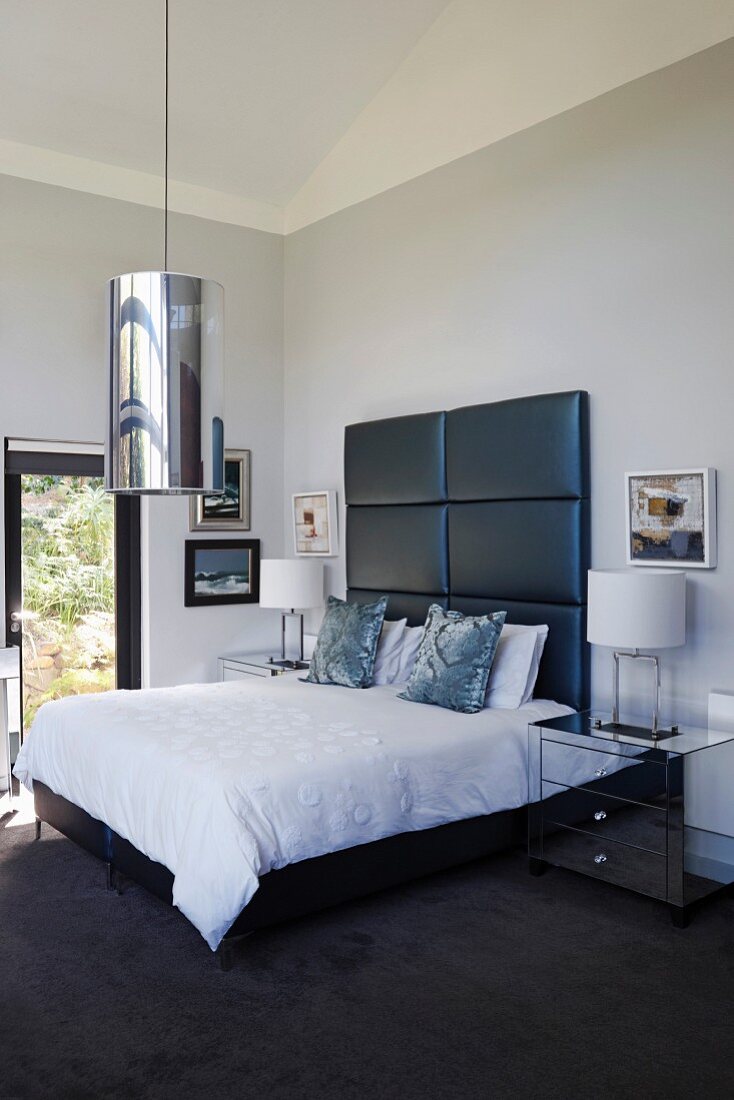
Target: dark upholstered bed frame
478	509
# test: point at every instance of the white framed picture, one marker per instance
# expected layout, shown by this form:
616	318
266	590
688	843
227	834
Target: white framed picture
314	523
671	518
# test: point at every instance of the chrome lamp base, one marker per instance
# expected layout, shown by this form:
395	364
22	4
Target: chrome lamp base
288	662
635	655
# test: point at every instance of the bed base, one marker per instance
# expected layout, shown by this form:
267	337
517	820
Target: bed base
300	888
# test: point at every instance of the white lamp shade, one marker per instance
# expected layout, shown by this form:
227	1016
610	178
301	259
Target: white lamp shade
291	582
637	610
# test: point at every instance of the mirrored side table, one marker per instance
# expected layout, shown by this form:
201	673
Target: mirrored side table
611	805
244	665
9	670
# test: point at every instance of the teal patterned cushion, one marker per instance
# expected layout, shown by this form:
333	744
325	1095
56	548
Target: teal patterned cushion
454	659
347	643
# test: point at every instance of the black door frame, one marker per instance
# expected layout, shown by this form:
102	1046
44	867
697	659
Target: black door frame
128	658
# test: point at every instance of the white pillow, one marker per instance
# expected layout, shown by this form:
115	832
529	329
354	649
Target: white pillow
515	666
540	640
389	648
409	652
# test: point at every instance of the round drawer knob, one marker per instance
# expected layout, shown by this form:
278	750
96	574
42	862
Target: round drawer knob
601	858
600	815
600	772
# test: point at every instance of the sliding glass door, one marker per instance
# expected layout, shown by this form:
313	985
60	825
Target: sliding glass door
72	576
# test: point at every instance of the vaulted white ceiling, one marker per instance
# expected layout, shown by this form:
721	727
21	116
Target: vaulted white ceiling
260	90
282	111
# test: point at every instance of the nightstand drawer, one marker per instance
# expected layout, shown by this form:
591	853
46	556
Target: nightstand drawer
230	670
644	872
608	773
604	816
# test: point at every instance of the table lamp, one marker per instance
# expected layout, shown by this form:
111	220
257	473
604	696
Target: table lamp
634	610
290	583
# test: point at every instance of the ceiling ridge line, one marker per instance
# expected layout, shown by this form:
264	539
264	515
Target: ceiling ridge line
49	166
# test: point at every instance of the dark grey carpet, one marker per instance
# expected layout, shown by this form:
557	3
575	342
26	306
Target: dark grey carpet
480	982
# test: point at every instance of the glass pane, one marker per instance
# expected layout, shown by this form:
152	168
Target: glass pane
67	547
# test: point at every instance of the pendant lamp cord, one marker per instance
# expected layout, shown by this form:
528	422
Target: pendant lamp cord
165	157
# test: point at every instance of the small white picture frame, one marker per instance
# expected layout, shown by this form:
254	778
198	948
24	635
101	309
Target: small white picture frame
671	518
314	524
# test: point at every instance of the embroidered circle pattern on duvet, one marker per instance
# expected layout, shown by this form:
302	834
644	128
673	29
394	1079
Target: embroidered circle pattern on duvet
251	733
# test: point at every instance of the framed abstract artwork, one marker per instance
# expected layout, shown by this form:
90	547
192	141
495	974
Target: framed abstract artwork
221	571
231	510
671	518
314	523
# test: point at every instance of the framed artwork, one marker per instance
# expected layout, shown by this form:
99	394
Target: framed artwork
231	510
314	523
671	518
221	571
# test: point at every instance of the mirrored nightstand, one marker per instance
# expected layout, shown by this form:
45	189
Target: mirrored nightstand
612	806
251	664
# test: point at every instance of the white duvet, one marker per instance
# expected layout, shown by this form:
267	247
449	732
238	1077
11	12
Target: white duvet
222	783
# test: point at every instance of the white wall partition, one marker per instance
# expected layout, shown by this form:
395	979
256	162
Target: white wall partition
591	251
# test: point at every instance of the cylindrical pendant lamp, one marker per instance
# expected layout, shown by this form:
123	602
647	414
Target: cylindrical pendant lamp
165	431
166	384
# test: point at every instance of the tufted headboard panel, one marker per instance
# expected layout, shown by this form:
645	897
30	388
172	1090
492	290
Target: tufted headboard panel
479	509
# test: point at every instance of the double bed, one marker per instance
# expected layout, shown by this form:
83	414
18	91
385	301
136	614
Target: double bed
248	804
223	784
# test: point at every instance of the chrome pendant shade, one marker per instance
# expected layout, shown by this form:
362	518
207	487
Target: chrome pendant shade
166	384
165	432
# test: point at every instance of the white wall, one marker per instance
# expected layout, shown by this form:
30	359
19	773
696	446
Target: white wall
58	248
596	251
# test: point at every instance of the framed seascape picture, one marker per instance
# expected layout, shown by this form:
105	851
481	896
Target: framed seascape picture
671	518
231	510
221	571
314	523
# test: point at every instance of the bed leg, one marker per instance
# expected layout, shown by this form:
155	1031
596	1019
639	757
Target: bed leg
225	954
228	950
110	875
38	828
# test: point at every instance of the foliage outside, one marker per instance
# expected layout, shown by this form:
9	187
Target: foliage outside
68	589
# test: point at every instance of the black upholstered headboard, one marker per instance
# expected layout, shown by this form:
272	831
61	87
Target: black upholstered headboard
479	509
